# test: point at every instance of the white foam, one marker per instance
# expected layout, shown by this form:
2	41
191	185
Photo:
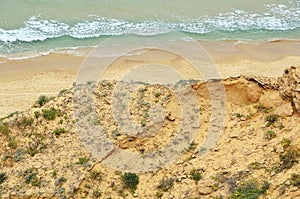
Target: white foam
277	17
27	55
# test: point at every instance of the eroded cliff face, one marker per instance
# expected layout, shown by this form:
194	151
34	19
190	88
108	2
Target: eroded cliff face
43	156
289	86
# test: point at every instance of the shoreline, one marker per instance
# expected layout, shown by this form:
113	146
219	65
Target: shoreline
212	45
23	81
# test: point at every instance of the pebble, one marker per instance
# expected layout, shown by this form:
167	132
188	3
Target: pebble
293	189
234	135
183	176
243	119
287	182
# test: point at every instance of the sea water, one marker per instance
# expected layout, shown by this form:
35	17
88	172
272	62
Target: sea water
47	25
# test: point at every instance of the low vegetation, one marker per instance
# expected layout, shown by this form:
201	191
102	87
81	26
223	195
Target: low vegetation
96	175
295	179
58	131
60	181
4	129
288	157
264	109
195	175
51	114
130	180
269	135
166	184
12	143
32	177
2	177
27	121
271	119
42	100
250	190
83	160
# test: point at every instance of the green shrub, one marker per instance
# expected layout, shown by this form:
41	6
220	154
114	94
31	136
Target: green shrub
27	121
263	108
288	158
12	143
192	146
37	114
256	165
96	194
54	173
42	100
295	180
4	129
238	115
32	150
96	175
157	94
159	195
12	114
63	92
195	175
271	119
285	143
2	177
36	181
33	179
82	160
59	131
50	114
143	123
130	180
166	184
60	181
250	190
270	135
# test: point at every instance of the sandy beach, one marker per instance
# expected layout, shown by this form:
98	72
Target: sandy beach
23	81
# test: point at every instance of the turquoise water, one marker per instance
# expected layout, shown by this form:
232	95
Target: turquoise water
44	25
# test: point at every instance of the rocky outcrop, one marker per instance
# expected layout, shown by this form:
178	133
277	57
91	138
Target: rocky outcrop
265	82
289	86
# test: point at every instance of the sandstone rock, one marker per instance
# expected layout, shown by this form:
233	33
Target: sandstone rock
284	110
205	190
265	82
204	187
234	135
135	195
293	189
289	86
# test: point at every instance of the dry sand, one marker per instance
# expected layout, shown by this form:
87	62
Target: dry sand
22	81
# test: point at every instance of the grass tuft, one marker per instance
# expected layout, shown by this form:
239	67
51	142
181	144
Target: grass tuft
59	131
